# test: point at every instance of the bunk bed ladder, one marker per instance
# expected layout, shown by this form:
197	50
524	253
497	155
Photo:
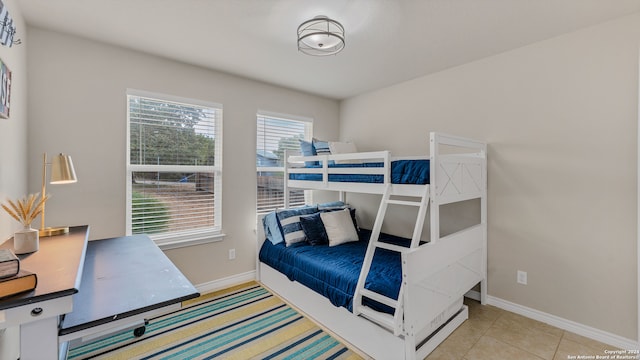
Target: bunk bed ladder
391	322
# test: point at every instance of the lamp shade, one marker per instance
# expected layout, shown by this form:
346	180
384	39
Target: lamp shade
320	36
62	171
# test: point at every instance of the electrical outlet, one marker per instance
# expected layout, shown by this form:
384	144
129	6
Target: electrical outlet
232	254
522	277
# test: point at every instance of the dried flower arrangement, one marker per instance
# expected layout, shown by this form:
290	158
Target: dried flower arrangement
25	210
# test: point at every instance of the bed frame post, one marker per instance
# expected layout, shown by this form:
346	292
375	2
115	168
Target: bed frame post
434	205
483	221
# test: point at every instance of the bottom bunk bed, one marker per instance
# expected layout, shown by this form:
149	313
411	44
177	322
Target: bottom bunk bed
320	280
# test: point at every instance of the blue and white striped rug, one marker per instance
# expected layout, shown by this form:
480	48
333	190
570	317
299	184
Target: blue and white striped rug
242	322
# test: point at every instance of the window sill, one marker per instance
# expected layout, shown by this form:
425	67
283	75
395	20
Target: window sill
176	242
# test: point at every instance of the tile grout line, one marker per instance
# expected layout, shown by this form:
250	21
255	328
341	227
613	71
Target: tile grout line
483	334
559	342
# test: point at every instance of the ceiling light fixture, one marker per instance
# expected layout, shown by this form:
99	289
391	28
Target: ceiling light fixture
320	36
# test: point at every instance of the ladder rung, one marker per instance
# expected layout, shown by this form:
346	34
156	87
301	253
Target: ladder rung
404	202
400	249
383	319
379	298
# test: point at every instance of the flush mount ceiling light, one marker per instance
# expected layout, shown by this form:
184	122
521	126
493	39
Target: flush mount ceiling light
320	36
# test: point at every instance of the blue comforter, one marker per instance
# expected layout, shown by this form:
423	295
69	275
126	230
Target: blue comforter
402	172
333	271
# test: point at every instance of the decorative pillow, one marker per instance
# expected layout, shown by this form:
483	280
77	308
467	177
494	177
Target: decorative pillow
339	205
339	227
307	149
322	148
272	228
289	220
332	205
337	147
313	228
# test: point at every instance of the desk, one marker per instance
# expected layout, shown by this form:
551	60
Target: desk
100	285
58	265
125	280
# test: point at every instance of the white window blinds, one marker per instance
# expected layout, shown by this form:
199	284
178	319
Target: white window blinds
174	166
274	135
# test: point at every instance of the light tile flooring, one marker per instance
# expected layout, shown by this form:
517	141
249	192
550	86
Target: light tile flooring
492	333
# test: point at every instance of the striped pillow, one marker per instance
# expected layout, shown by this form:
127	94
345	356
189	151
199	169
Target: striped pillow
322	147
289	220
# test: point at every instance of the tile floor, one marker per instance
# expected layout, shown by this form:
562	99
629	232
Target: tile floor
492	333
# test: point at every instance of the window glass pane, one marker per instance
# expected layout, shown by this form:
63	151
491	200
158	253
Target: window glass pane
274	135
166	133
170	202
175	148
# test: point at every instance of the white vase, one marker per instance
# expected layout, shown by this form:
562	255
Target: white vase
26	241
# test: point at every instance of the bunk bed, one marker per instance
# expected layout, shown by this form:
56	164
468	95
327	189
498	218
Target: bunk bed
432	276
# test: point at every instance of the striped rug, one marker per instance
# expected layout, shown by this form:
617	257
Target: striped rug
242	322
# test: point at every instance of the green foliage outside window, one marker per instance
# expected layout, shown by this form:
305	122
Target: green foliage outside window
164	133
149	215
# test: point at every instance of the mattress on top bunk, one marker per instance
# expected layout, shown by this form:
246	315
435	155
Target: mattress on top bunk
333	271
402	172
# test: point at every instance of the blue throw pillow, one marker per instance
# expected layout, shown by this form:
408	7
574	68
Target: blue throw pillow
322	148
289	220
307	149
334	205
314	229
272	228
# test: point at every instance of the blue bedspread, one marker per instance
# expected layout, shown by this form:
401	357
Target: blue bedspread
402	172
333	271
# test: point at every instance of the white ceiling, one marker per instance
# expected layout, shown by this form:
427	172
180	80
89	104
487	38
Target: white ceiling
387	41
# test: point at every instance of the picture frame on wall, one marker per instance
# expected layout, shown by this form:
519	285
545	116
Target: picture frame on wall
5	90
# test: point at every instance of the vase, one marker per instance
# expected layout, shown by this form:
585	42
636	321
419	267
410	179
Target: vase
26	241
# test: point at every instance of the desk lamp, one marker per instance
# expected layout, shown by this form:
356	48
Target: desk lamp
62	172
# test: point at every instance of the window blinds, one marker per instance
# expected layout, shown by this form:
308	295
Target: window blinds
274	135
173	166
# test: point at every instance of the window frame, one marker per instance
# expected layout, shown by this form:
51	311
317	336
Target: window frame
177	239
308	136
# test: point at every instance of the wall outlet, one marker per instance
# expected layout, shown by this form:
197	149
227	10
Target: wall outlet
522	277
232	254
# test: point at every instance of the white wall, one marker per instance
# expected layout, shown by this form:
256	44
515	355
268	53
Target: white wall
13	147
560	117
78	106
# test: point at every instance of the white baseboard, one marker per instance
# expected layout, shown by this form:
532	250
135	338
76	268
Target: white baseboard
226	282
564	324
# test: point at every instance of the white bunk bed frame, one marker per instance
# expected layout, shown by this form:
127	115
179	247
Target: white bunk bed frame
436	275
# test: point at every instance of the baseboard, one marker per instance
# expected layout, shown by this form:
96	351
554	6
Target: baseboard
564	324
223	283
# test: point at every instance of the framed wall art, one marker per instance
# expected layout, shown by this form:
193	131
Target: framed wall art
7	27
5	90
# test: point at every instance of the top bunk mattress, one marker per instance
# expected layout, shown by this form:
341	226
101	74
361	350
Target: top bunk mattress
402	172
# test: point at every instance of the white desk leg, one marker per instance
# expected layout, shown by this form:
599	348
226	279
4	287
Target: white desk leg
39	339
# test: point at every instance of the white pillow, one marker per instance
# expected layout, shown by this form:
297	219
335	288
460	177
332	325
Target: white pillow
338	147
339	227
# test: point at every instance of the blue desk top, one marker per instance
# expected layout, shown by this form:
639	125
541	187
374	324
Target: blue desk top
122	277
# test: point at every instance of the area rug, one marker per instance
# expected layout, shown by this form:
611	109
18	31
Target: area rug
242	322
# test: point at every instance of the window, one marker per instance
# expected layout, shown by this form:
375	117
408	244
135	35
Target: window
174	168
275	133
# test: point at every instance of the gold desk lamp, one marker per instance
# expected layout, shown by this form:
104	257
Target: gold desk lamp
62	172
